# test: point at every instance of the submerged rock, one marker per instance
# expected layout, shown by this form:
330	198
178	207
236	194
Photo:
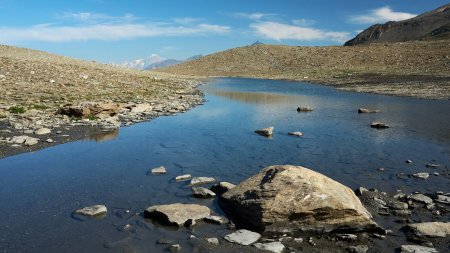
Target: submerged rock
430	229
267	132
243	237
421	175
177	214
276	247
292	199
92	210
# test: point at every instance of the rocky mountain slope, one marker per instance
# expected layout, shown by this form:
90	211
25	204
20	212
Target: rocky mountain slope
427	26
420	69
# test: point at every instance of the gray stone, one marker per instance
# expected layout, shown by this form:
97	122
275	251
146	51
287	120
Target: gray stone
443	199
141	108
347	237
365	110
267	132
430	229
177	214
42	131
292	198
202	180
27	140
379	125
358	249
175	247
213	240
276	247
216	219
298	134
304	109
183	177
243	237
421	198
92	210
397	205
417	249
159	170
49	140
201	192
421	175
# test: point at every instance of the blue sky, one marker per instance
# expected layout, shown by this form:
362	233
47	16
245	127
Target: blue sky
119	30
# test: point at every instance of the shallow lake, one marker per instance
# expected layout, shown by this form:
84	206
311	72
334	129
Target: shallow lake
39	191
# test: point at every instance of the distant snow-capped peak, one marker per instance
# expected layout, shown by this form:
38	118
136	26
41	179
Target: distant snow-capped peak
142	63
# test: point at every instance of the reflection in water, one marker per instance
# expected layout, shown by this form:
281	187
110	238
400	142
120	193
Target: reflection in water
104	136
254	97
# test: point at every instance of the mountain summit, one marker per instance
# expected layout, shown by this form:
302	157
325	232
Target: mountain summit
430	25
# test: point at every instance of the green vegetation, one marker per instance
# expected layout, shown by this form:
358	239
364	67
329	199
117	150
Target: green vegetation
92	117
16	109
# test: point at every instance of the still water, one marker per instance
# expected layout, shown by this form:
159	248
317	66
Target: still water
40	190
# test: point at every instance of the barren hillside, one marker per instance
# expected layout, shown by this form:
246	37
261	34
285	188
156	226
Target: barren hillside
420	69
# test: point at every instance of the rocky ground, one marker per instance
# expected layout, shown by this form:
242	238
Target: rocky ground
47	99
417	69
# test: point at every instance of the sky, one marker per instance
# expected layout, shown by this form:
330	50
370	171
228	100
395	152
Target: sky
122	30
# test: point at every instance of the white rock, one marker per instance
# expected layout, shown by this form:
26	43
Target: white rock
159	170
243	237
267	132
92	210
431	229
49	140
202	180
212	240
421	175
276	247
140	108
421	198
42	131
183	177
298	134
177	214
417	249
202	192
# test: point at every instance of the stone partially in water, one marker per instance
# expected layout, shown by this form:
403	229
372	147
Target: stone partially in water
177	214
421	198
158	171
183	177
202	192
379	125
365	110
222	187
304	109
421	175
267	132
286	198
430	229
243	237
298	134
202	180
92	210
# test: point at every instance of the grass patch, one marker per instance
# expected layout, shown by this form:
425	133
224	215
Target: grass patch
92	117
17	109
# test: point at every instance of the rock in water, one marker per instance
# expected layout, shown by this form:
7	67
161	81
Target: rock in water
222	187
298	134
430	229
177	214
276	247
159	170
365	110
202	180
304	109
92	210
267	132
417	249
243	237
421	175
183	177
293	198
202	192
379	125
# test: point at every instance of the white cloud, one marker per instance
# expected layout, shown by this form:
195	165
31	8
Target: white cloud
279	31
254	16
90	17
105	32
187	20
303	22
381	15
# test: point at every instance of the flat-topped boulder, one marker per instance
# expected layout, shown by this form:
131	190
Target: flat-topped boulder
177	214
430	229
92	210
286	198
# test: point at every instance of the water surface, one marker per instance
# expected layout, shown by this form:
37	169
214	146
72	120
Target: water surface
40	190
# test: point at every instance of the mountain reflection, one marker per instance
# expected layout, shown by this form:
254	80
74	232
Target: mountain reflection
254	97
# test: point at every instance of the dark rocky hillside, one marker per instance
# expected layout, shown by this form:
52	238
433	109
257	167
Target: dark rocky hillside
432	25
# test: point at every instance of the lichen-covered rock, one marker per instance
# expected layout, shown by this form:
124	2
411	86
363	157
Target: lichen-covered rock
293	198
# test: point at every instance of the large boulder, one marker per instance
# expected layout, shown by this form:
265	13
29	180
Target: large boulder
430	229
286	198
